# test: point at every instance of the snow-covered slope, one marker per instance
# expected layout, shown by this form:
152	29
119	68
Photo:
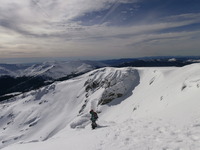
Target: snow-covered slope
56	70
143	108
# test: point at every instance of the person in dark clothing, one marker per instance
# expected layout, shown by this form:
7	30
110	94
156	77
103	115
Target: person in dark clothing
93	118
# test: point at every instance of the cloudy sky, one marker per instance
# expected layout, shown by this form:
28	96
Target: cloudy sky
98	29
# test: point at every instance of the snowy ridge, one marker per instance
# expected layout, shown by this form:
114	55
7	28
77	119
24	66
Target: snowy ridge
143	108
54	69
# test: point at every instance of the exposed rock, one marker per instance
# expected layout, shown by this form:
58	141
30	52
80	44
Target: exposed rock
115	84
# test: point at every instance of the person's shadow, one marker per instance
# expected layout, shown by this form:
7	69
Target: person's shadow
101	126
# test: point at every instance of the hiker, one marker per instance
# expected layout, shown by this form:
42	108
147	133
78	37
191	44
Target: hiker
93	118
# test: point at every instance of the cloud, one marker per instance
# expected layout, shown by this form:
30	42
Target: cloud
48	17
52	28
183	17
126	32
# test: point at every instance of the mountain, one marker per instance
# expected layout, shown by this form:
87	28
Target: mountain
56	70
167	61
139	108
59	69
52	70
19	78
14	70
23	78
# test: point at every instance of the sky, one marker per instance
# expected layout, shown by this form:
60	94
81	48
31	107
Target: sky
33	30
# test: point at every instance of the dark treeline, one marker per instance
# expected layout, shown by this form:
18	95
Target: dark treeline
10	84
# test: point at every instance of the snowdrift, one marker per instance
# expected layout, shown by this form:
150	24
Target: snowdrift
153	105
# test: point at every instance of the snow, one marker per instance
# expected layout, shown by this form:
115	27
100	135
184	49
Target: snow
52	69
196	61
172	59
144	109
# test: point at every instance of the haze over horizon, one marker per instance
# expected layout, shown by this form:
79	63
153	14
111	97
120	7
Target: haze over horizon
35	30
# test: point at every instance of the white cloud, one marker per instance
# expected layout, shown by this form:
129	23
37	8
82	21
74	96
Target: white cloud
35	27
34	17
188	16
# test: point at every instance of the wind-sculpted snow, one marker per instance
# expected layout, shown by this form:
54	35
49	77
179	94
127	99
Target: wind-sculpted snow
40	114
25	117
138	108
114	82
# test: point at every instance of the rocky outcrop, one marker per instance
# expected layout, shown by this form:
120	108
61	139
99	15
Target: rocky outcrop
115	83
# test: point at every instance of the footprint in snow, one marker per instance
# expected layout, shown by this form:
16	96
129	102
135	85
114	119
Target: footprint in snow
195	138
152	80
175	132
196	125
126	141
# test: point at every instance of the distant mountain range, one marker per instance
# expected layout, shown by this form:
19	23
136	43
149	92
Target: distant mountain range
25	77
167	61
51	70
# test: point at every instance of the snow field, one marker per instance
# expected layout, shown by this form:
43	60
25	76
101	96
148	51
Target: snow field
132	134
150	109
